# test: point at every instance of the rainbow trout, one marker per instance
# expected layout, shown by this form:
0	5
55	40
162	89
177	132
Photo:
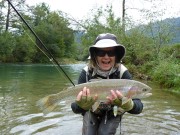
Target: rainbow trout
129	89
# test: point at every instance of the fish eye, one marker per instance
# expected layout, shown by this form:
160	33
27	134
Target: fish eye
144	90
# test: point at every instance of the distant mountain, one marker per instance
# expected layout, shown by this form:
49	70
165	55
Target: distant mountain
172	23
175	28
78	35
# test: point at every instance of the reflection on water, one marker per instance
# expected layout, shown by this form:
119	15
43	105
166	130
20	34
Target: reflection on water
22	85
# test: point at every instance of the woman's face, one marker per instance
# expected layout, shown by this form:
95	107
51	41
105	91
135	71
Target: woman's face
106	58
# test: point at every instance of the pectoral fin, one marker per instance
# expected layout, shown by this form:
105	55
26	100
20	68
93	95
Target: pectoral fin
95	106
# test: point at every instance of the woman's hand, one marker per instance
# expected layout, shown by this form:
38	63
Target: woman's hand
85	100
119	100
115	98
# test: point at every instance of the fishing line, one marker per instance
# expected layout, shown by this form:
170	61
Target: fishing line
52	57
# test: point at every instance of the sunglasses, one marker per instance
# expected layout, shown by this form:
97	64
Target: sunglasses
102	53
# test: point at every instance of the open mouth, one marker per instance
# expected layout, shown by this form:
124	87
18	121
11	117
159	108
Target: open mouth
105	62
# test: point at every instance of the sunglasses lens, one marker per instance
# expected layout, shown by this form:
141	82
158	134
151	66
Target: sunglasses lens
102	53
111	53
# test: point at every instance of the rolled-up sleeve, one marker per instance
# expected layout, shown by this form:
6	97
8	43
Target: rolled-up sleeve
138	107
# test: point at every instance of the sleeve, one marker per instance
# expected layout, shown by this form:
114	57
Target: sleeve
138	107
82	77
75	108
126	75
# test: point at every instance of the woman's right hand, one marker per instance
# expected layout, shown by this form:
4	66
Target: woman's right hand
85	100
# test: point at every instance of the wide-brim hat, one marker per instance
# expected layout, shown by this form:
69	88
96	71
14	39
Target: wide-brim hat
105	41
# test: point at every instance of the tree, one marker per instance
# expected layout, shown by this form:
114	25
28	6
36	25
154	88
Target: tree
7	44
123	16
12	20
52	28
24	49
161	33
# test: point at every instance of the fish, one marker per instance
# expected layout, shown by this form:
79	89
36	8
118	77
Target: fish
129	89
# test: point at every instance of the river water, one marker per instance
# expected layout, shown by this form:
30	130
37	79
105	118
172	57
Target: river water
22	85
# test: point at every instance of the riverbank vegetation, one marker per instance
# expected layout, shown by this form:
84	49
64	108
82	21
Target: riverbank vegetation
149	53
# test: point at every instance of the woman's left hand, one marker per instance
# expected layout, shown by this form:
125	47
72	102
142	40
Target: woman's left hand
117	98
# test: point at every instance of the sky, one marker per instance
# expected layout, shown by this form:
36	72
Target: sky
80	9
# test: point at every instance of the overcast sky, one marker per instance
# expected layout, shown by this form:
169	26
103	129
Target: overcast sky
80	9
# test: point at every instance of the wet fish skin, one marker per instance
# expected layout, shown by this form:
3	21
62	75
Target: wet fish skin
129	88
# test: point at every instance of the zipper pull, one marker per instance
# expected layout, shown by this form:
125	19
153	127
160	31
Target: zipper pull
105	120
115	111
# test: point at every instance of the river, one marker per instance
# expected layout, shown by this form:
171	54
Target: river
21	85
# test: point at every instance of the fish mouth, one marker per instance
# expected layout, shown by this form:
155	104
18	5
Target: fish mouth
145	95
148	94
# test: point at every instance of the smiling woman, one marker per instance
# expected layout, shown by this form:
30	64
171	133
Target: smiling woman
106	53
105	63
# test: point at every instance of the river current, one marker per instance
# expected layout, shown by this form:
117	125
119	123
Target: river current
22	85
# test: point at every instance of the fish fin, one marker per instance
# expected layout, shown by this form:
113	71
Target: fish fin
48	103
132	91
95	106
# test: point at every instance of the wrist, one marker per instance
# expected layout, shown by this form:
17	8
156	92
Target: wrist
128	105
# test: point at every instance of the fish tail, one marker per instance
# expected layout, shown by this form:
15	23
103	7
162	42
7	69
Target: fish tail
48	103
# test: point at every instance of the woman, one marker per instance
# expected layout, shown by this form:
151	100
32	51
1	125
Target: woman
105	58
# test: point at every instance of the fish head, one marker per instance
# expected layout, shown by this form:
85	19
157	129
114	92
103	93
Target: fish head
139	91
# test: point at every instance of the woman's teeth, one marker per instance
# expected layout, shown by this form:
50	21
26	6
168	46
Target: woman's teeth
106	62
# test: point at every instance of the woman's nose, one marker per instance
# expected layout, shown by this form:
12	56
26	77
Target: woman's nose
106	55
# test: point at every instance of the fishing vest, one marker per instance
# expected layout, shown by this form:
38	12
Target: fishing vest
116	75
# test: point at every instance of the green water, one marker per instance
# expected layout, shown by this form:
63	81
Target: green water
22	85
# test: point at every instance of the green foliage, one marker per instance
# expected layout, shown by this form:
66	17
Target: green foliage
7	44
10	19
51	28
139	47
24	50
170	51
167	73
54	32
167	68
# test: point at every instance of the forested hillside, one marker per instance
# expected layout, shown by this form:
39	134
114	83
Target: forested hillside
173	24
19	44
175	29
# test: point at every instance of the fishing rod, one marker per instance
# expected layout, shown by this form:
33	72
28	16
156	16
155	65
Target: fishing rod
33	32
